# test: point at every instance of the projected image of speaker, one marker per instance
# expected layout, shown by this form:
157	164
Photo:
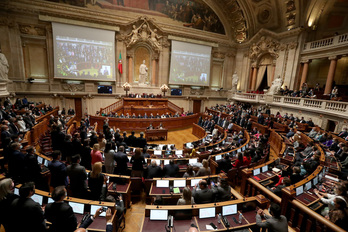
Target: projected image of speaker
176	92
105	89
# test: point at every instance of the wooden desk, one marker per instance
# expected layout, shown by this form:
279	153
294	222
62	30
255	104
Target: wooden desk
123	189
155	134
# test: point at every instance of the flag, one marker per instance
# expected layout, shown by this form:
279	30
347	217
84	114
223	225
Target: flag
120	64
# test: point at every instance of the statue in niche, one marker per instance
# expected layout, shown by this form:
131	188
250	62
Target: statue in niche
143	73
276	85
3	67
235	80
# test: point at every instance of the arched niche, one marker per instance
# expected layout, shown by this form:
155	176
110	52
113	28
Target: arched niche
266	67
142	52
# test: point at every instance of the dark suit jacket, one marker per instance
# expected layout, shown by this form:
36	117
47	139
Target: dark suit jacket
62	217
30	214
121	160
203	196
58	173
140	142
5	218
78	176
154	171
171	170
16	164
223	194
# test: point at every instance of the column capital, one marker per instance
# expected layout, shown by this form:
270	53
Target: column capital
333	58
306	61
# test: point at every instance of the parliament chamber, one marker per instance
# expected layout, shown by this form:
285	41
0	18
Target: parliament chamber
173	115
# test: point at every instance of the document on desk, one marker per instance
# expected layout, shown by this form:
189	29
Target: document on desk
176	190
209	227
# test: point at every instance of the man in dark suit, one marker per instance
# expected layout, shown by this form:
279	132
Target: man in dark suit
290	133
203	194
141	141
13	128
5	133
171	169
132	139
78	176
224	164
60	213
58	170
153	170
122	161
260	119
32	168
16	162
343	133
27	210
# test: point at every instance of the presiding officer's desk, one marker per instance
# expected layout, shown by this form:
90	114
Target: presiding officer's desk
156	134
80	207
204	214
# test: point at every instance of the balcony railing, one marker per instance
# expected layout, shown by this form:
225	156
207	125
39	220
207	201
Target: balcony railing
317	105
326	43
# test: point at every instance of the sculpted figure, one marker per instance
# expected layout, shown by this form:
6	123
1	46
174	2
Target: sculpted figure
3	67
134	35
276	84
235	80
142	73
154	38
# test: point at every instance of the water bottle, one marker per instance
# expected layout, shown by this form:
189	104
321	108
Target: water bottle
219	218
240	218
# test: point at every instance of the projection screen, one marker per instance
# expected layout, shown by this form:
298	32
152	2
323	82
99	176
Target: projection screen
83	53
190	64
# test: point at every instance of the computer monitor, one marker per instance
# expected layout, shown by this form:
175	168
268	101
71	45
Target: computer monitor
158	214
16	191
39	159
37	198
94	209
192	161
265	168
243	148
256	172
247	146
229	210
207	212
162	183
308	185
178	152
78	207
166	162
315	180
194	182
50	200
299	190
239	150
46	163
157	152
179	183
218	157
105	89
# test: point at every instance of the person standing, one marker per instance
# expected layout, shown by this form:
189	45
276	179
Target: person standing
78	176
60	213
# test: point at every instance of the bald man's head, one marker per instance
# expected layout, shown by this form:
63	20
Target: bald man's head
80	230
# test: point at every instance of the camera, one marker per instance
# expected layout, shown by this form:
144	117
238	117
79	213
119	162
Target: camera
104	209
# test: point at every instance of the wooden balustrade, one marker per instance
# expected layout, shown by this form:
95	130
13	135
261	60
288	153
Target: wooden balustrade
35	133
47	116
198	131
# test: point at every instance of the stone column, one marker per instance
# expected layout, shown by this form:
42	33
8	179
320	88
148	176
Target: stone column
130	69
304	72
253	83
154	72
330	75
273	71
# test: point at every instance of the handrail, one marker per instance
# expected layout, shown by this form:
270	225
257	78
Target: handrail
112	107
47	116
265	190
318	217
175	108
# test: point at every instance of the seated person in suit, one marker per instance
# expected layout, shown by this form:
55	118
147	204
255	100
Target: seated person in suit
278	190
223	191
153	170
275	222
205	170
203	194
171	169
60	213
150	127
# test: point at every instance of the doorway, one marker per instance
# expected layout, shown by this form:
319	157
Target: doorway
331	125
78	107
197	106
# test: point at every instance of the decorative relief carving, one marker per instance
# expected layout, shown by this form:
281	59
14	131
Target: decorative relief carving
219	55
144	33
73	87
292	45
290	6
291	19
264	46
32	30
196	91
